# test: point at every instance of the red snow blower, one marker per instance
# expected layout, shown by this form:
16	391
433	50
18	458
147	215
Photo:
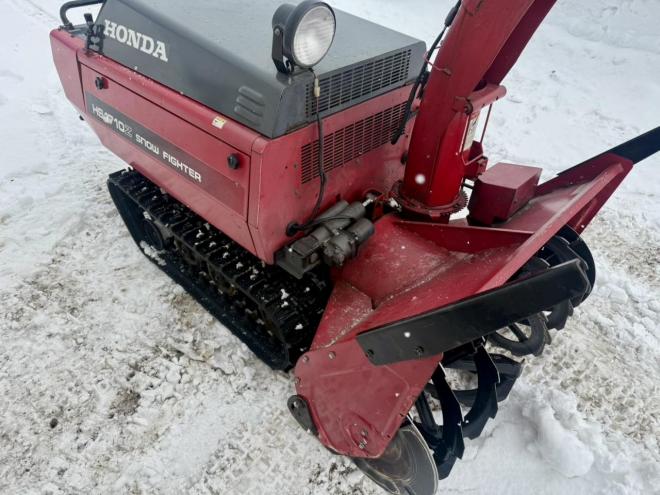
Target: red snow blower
300	171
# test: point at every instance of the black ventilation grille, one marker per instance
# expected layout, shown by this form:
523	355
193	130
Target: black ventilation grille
358	82
352	141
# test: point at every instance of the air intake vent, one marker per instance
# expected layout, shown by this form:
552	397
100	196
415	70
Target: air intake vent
352	141
360	81
250	105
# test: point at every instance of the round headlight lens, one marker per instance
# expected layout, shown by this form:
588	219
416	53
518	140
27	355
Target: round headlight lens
314	36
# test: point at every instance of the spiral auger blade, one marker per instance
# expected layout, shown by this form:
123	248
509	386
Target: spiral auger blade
484	406
530	336
508	371
422	448
495	378
446	440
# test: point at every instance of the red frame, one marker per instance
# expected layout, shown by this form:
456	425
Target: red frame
254	203
483	44
412	267
422	266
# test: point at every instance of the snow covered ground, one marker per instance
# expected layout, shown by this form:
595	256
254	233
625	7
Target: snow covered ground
112	380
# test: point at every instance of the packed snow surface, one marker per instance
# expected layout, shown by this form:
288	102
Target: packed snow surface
113	380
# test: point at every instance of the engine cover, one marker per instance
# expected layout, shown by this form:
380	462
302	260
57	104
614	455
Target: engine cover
219	53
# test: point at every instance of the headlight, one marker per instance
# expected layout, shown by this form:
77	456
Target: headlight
302	35
314	36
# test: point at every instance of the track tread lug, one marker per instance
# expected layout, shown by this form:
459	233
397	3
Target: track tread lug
218	273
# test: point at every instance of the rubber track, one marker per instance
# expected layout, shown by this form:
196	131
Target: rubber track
273	313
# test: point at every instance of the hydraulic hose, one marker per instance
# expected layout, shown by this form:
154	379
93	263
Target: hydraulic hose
422	77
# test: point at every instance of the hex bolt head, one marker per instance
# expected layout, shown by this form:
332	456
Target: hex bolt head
419	351
332	355
99	82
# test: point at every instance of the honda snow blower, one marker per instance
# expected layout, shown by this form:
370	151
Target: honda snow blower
299	171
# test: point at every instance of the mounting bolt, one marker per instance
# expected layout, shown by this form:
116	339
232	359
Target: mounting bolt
370	354
100	83
332	355
305	359
364	433
419	351
233	162
298	380
362	445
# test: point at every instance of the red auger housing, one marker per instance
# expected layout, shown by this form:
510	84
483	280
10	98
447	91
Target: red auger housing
298	171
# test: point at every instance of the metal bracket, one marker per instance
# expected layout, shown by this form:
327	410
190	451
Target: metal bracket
300	411
94	35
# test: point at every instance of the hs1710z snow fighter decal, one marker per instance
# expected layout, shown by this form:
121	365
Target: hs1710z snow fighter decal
148	141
